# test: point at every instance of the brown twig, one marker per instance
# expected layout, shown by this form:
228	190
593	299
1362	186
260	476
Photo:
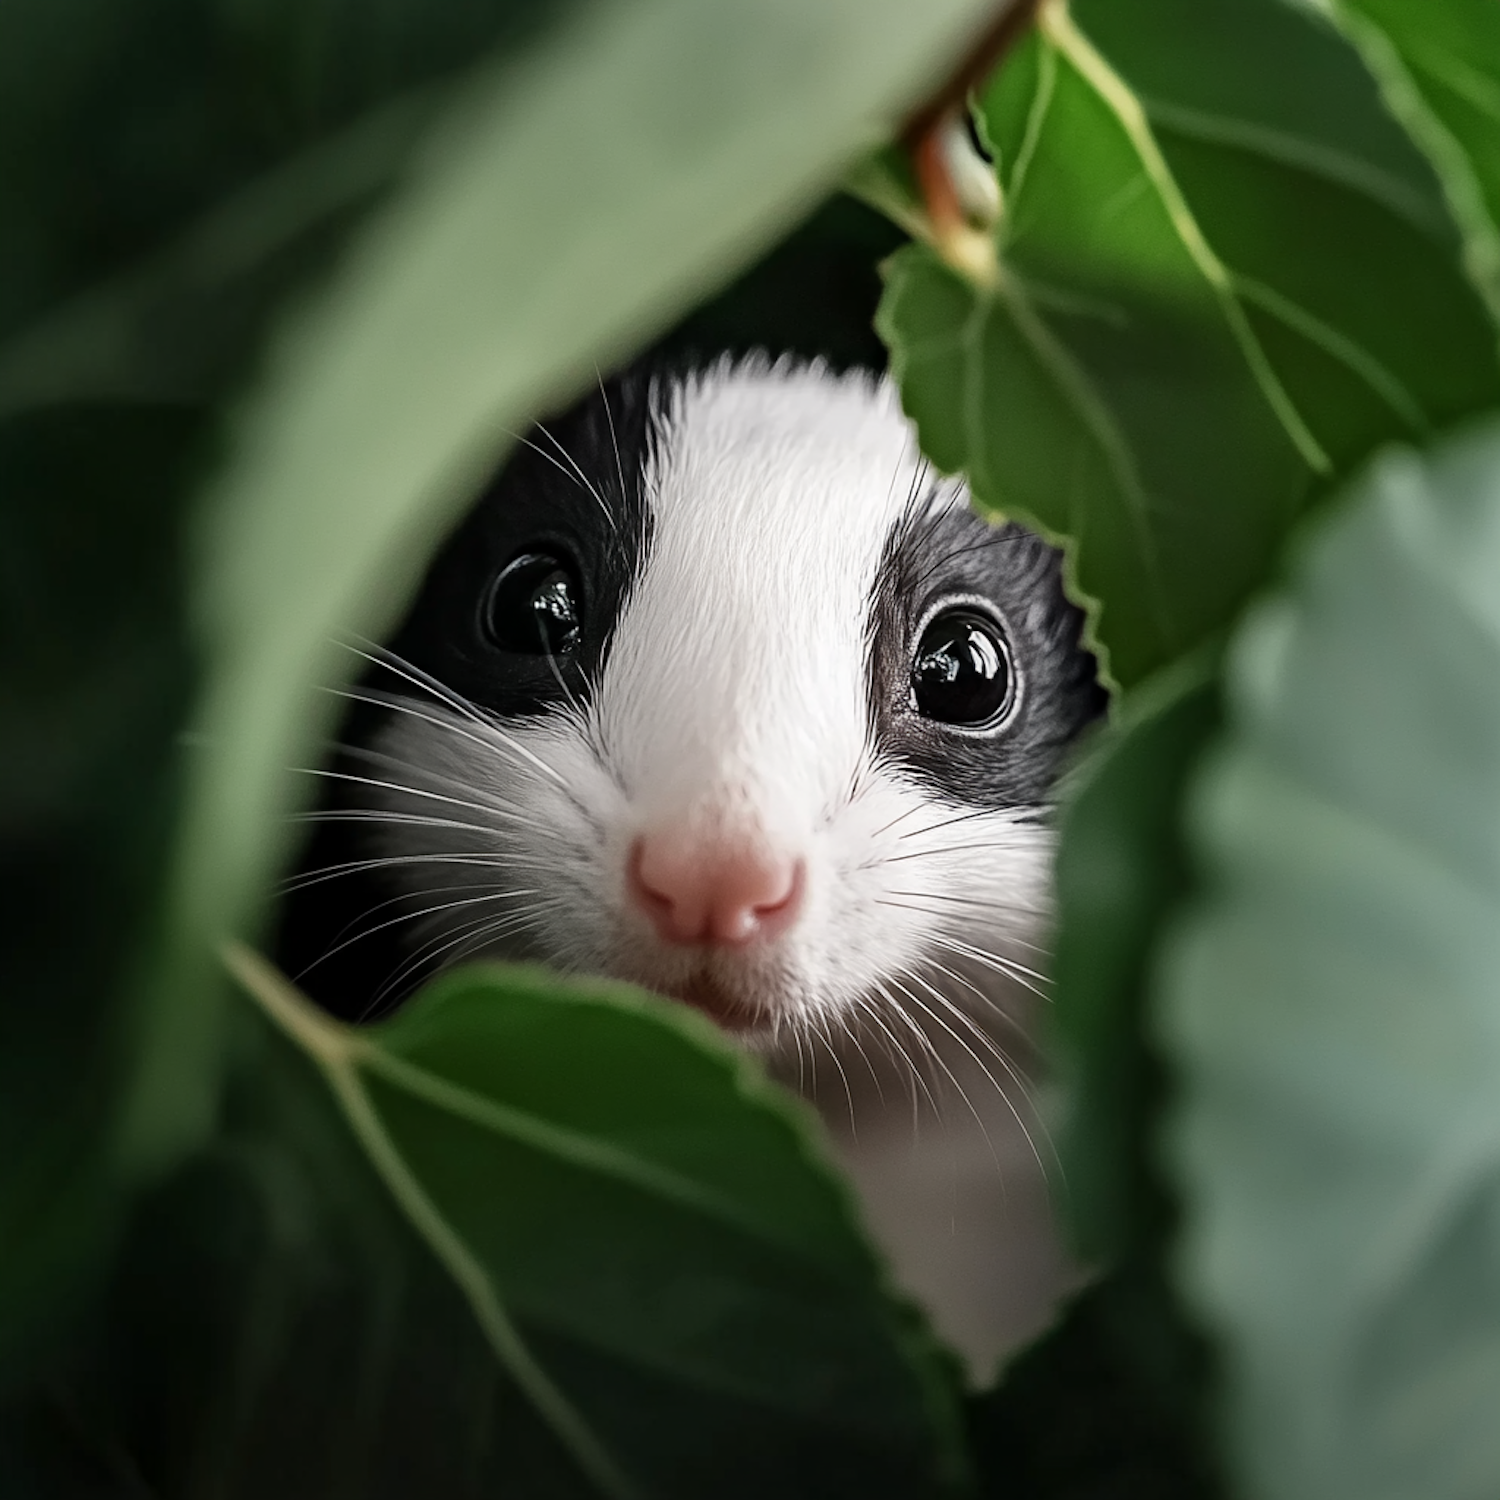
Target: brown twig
960	237
977	64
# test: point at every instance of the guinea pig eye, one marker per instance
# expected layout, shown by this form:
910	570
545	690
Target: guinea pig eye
533	606
961	672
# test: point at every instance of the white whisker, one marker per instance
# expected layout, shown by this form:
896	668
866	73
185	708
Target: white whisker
325	873
817	1029
979	1063
614	440
493	739
488	808
583	481
1030	979
419	914
963	1093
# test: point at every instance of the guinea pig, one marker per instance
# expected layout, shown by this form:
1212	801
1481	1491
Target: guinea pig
721	690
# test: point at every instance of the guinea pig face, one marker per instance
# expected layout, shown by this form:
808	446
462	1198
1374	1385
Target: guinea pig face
721	691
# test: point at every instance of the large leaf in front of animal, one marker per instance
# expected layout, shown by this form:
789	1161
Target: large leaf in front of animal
1439	68
612	1254
1225	275
1332	1008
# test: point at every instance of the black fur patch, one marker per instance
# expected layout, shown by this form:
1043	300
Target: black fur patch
935	554
337	938
574	486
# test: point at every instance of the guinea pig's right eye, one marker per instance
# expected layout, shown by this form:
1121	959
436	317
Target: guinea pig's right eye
534	606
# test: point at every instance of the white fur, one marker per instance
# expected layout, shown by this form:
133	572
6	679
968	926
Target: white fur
735	689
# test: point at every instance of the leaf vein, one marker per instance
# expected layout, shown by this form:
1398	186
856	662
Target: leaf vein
1304	155
1060	30
335	1049
555	1140
1460	182
1349	352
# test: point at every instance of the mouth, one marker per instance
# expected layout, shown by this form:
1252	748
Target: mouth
710	998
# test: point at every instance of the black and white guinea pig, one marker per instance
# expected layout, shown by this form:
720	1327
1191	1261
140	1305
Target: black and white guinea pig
721	690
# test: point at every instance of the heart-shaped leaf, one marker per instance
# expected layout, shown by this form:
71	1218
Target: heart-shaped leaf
1215	297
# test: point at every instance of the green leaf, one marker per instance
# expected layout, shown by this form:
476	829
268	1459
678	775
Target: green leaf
561	212
641	1226
1439	68
180	325
1121	868
1330	1003
121	124
1217	296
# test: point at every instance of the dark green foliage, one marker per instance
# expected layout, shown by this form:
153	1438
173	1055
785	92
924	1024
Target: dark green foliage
1073	1419
1122	869
122	123
95	690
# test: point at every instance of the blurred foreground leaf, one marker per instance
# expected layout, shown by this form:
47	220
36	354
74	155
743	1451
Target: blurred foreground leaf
1217	294
560	212
1333	1008
119	125
125	123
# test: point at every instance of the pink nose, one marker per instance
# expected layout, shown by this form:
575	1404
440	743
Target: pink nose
720	892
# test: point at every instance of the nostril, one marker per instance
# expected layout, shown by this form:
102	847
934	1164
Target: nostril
713	891
663	891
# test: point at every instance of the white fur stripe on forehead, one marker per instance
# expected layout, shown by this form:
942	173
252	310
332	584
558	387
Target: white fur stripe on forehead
739	661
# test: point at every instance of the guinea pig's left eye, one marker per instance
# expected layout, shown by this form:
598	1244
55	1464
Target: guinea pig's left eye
534	606
961	673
